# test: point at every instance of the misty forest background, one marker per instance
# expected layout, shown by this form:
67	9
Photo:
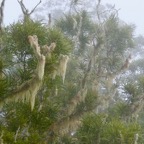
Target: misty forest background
74	75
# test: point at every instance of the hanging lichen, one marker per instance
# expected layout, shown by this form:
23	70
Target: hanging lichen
28	90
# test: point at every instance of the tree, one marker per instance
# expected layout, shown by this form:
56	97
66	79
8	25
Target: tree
70	74
20	79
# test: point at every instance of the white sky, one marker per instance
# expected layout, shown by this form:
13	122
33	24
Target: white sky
12	9
131	11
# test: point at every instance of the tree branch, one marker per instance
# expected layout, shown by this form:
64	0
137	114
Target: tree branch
1	14
35	8
28	90
25	10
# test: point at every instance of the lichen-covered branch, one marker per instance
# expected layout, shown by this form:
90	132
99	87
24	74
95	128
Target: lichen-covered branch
81	95
111	88
136	106
28	90
72	121
66	125
61	67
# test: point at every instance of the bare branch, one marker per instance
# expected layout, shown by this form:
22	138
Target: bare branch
25	11
23	8
136	138
97	10
1	14
49	19
16	135
35	8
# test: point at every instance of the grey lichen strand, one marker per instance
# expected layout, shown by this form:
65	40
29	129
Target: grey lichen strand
27	91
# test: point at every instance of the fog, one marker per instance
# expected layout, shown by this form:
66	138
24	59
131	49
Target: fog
129	11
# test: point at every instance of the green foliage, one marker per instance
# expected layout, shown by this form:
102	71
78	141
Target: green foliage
3	88
100	129
63	46
111	127
20	61
19	67
131	89
119	36
20	116
91	99
117	131
141	83
67	23
16	38
91	129
135	89
19	55
119	110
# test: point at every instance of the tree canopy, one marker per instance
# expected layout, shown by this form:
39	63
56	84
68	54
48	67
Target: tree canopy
75	79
